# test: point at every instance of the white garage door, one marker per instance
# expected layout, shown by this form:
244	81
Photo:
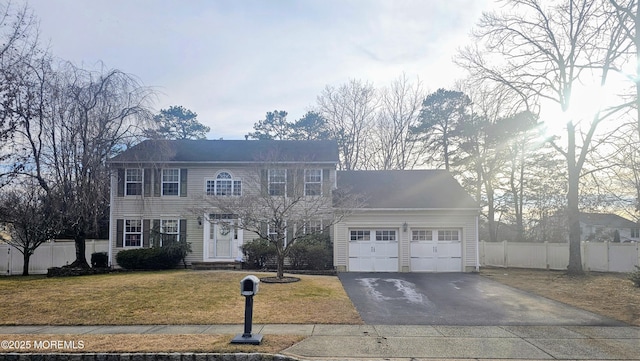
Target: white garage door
373	250
436	250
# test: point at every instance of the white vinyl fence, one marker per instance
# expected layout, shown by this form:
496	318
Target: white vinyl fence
50	254
596	256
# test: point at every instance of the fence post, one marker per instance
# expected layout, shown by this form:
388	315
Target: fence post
546	254
505	253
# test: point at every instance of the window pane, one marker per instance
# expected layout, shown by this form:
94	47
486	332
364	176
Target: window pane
313	189
313	175
237	188
170	189
210	187
170	175
360	236
385	235
224	175
448	235
223	187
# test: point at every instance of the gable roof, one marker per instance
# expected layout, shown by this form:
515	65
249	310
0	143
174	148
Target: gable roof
167	151
606	220
406	189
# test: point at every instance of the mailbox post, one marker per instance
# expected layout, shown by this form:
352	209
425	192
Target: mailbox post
248	288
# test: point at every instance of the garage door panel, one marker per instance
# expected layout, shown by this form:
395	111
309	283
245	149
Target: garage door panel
433	255
378	253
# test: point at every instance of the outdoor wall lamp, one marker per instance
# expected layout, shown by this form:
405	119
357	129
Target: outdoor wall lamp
199	221
405	226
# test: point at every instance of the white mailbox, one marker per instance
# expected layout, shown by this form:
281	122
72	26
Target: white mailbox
249	285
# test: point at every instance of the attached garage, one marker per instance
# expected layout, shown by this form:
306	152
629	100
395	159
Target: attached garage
412	221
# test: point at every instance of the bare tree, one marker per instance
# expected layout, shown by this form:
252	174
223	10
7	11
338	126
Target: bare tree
18	47
278	207
73	121
31	220
350	111
547	49
395	146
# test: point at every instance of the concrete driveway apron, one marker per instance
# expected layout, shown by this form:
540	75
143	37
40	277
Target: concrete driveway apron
455	299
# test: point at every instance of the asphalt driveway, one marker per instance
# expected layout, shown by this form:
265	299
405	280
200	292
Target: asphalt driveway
455	299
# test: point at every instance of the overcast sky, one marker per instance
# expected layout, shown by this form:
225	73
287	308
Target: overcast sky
231	61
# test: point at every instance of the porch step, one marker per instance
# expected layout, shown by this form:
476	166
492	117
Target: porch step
206	266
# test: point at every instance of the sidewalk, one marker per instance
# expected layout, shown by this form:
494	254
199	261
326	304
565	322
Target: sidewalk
411	342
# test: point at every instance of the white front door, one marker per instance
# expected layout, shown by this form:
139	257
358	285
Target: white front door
373	250
221	237
436	250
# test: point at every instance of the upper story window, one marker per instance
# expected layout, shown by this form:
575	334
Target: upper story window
224	185
171	182
133	182
313	182
313	227
635	232
277	182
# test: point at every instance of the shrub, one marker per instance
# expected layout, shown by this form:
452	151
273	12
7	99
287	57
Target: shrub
313	252
258	253
165	257
635	276
99	260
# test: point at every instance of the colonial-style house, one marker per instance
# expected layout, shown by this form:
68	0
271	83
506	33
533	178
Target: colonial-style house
412	221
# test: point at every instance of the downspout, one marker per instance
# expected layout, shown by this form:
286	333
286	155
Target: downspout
477	245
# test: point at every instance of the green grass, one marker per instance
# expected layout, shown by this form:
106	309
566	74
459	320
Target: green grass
169	297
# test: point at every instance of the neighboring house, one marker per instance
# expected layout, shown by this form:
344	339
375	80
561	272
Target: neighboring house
4	233
412	221
602	227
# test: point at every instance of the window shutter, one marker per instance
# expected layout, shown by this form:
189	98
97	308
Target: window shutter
326	182
120	191
183	230
119	233
157	182
264	229
146	232
183	182
289	235
155	233
299	182
147	182
290	185
264	181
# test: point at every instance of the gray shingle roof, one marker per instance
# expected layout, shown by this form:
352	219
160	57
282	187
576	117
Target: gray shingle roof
424	189
230	151
607	220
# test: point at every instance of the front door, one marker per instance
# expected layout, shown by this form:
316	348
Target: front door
220	235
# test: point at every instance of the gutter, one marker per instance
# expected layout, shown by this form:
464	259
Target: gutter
111	203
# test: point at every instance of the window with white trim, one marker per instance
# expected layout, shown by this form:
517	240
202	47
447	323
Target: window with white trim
277	182
171	182
224	185
133	182
386	235
132	233
169	230
421	235
313	182
448	235
273	234
313	227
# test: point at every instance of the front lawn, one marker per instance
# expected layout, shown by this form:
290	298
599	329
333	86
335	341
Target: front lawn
170	297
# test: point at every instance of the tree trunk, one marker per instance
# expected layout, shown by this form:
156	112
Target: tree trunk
81	258
26	257
575	257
